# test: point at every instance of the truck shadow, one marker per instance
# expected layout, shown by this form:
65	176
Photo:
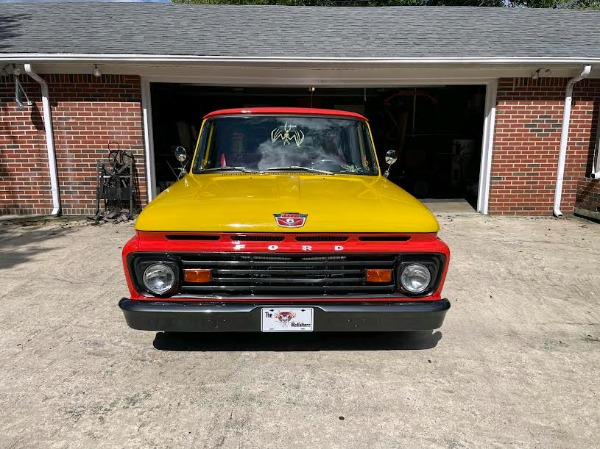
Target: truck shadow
367	341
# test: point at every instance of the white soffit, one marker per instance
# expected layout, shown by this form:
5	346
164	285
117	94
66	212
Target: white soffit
291	74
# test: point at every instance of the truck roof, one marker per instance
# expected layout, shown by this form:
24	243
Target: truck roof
287	111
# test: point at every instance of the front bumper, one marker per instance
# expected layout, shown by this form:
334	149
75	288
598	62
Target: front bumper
242	317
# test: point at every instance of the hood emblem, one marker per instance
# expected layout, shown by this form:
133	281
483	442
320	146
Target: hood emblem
290	220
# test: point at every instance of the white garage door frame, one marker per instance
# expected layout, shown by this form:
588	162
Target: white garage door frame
488	126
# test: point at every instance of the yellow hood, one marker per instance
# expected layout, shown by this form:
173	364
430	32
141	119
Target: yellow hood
240	202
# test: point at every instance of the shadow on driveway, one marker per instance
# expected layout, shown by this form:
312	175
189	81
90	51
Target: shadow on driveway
363	341
19	243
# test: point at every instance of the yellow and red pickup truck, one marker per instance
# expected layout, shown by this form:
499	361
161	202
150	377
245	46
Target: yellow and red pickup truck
285	223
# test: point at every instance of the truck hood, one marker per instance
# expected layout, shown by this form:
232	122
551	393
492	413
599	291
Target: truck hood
241	202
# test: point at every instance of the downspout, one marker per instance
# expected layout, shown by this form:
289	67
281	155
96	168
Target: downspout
49	139
564	137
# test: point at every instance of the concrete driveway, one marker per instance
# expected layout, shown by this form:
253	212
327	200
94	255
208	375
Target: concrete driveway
515	365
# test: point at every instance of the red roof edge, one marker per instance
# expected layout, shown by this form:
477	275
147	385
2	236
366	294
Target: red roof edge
281	110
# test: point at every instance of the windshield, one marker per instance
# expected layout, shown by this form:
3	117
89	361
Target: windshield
301	143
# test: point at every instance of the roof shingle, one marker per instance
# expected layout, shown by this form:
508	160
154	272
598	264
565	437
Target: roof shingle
297	32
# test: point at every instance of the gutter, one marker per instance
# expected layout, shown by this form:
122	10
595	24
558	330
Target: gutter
564	137
49	139
106	57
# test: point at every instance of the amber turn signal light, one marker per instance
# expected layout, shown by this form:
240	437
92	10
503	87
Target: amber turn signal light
198	276
377	275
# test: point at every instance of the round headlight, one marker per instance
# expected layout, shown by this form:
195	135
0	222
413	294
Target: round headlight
415	278
159	278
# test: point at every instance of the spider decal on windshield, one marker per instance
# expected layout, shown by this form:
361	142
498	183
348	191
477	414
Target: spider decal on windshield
287	133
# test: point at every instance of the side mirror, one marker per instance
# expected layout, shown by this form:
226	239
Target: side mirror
181	156
390	158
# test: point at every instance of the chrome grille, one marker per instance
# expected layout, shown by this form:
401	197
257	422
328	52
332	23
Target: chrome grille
287	274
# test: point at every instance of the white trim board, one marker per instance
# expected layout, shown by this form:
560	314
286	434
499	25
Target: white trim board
485	171
148	139
68	57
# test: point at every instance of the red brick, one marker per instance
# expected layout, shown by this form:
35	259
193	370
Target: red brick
523	138
87	114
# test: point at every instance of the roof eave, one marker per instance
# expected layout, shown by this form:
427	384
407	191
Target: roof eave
140	58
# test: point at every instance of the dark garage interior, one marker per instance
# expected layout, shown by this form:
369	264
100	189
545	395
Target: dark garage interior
436	130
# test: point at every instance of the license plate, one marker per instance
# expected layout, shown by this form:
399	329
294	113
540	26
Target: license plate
286	320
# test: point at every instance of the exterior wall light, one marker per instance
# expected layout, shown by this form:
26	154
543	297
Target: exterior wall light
540	72
97	73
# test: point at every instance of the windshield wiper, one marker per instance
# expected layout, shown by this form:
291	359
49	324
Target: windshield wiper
227	168
298	167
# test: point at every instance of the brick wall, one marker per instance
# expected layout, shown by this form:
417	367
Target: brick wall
527	139
588	195
88	113
588	189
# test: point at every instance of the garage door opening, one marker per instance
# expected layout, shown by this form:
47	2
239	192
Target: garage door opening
436	130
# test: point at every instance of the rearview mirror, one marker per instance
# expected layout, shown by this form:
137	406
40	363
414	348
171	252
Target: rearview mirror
390	158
